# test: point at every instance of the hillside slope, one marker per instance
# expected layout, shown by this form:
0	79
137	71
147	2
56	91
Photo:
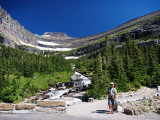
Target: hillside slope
12	33
143	30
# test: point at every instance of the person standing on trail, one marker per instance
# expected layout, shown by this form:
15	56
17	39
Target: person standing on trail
112	94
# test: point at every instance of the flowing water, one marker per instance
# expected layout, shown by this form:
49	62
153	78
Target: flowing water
80	82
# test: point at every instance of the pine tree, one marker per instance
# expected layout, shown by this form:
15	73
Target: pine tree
99	81
123	83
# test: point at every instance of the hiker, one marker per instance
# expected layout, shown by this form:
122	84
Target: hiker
112	94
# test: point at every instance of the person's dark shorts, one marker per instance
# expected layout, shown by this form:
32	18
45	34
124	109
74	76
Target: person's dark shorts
110	101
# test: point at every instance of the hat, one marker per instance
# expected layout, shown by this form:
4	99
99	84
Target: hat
112	83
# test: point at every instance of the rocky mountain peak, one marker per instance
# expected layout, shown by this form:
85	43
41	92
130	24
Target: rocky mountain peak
55	34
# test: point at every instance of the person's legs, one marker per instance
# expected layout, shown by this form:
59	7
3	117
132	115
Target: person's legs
110	105
109	108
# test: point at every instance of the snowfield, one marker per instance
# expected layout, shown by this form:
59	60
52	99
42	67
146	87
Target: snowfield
26	44
47	43
54	49
71	57
45	48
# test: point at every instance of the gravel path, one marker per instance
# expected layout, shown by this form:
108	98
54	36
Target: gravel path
88	111
98	109
117	116
146	92
41	116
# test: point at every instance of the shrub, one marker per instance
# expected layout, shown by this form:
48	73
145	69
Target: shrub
144	104
144	110
137	84
150	101
10	98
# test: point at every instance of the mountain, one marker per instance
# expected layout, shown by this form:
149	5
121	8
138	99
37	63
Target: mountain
13	34
143	30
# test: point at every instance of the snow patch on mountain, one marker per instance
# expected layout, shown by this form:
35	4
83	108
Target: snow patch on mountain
71	57
47	43
26	44
54	49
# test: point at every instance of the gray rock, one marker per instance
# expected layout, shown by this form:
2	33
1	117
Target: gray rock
90	99
158	111
133	111
24	106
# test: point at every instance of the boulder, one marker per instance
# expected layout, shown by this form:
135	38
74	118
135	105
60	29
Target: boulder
45	96
54	103
34	98
158	111
62	88
6	107
71	90
73	101
58	84
133	111
90	99
25	106
119	109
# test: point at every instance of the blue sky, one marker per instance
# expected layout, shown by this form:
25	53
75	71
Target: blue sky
77	18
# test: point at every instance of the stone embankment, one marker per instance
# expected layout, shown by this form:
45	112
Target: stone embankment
40	106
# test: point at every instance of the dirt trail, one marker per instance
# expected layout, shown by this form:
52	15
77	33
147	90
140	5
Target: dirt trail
88	111
98	108
145	92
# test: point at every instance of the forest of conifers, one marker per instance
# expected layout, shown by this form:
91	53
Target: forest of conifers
19	71
129	66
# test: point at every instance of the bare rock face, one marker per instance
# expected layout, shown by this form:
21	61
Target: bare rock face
25	106
57	37
51	103
133	111
6	107
6	41
56	34
13	31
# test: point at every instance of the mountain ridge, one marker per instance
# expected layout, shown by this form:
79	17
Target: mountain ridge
12	34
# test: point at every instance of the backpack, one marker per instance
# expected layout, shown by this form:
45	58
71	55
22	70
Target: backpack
115	106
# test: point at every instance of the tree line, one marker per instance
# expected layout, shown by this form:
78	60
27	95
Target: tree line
129	66
20	63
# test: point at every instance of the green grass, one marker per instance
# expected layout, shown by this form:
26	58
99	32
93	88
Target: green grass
150	101
120	105
27	46
144	110
44	80
149	104
39	82
151	109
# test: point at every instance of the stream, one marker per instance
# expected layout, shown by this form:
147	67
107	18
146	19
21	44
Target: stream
77	83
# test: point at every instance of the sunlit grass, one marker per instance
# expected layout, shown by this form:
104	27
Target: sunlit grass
42	81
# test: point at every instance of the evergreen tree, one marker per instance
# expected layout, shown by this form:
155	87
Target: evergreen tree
99	81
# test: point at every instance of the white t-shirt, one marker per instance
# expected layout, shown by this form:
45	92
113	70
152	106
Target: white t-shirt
112	92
